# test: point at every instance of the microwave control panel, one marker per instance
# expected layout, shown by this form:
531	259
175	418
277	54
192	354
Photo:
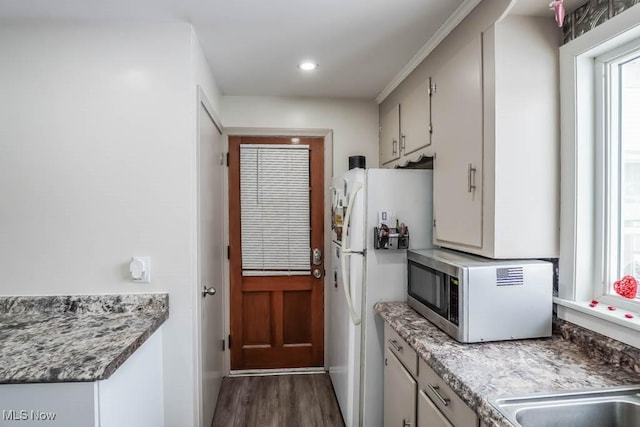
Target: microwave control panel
454	297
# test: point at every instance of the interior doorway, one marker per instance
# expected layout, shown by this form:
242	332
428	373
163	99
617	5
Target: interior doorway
211	255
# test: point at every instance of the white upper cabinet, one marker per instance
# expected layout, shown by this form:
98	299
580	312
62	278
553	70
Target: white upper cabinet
496	166
390	135
415	120
494	136
457	134
405	128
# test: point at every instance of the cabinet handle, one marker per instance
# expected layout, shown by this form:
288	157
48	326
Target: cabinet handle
403	144
436	390
405	423
471	178
395	345
395	145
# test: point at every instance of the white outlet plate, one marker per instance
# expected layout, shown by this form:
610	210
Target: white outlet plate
140	268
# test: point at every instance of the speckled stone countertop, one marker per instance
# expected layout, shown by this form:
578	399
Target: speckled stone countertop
571	359
74	338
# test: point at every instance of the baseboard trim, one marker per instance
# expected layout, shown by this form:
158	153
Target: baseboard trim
285	371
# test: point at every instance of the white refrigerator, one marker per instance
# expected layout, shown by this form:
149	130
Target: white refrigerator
363	275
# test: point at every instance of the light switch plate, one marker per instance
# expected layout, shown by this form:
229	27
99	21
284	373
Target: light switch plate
387	218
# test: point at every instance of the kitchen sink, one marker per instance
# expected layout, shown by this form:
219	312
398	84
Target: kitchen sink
609	407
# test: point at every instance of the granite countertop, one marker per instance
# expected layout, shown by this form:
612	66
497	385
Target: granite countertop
74	338
572	359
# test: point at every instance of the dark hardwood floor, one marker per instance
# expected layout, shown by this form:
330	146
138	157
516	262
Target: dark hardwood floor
279	400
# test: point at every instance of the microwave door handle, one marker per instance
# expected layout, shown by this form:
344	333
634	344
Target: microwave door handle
345	251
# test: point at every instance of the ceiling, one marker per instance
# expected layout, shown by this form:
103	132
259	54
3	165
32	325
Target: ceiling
254	46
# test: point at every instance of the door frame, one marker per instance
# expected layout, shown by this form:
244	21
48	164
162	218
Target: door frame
203	101
327	134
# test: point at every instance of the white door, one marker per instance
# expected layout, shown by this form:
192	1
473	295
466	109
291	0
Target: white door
390	135
399	393
456	110
415	118
210	261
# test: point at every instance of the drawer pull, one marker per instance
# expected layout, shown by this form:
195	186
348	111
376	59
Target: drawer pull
436	390
395	345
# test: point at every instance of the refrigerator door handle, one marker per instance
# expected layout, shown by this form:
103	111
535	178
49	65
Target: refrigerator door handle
346	251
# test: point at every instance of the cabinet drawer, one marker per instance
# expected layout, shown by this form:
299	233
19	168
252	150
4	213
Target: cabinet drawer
458	413
428	414
401	349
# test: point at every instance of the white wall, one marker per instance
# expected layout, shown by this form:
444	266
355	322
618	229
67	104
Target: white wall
97	164
354	122
202	74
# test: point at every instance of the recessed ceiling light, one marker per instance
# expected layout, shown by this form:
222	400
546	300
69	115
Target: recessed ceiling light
307	66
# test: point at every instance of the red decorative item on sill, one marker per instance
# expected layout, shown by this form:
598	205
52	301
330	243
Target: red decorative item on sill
626	287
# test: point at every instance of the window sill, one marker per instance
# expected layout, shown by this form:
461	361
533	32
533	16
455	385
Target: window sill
611	323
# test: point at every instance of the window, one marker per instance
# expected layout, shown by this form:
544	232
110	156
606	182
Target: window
600	176
275	210
618	113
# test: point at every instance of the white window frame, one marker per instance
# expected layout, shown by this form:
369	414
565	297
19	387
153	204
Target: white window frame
583	237
607	209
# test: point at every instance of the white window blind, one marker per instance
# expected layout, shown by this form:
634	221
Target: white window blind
274	205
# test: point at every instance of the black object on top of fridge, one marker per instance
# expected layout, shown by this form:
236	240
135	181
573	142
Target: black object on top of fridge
357	162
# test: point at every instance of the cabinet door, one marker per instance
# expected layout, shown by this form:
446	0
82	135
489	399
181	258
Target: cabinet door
415	119
457	133
399	393
390	136
428	414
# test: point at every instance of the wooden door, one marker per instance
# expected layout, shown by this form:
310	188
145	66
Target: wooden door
277	321
399	393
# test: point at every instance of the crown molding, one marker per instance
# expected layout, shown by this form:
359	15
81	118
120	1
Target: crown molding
456	17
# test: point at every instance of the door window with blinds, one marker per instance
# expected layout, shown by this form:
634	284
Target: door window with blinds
274	205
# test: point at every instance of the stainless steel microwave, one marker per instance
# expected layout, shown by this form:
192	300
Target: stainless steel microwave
475	299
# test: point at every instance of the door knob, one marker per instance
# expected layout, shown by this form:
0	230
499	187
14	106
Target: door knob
316	256
316	273
208	291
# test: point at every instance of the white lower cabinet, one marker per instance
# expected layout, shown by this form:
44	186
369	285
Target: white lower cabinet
444	399
130	397
399	393
414	395
428	414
